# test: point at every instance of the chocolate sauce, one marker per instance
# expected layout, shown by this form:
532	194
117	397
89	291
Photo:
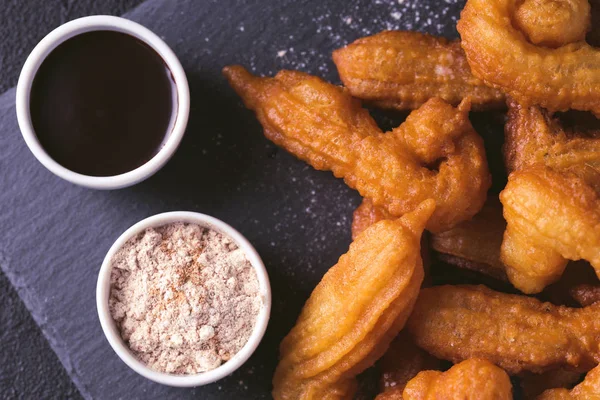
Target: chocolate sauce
102	103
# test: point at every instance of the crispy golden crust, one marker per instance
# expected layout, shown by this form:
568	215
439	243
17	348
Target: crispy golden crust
470	379
354	312
551	218
553	23
589	389
402	362
402	70
392	394
532	385
538	143
365	215
517	333
323	125
473	244
500	54
536	137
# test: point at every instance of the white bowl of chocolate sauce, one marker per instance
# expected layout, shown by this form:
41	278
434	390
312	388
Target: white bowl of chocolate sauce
102	102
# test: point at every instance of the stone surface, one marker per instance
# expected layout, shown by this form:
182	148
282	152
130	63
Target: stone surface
24	23
55	234
29	369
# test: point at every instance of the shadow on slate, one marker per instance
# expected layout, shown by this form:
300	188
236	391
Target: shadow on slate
55	234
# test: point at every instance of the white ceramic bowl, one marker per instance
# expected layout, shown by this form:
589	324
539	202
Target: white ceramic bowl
99	23
110	329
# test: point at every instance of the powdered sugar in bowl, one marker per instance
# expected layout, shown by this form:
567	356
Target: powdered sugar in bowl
183	298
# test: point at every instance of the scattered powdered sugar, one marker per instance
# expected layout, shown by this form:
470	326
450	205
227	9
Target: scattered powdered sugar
184	298
333	29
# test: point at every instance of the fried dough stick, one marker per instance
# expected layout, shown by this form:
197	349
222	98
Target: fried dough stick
551	218
402	70
354	313
534	50
469	380
473	244
517	333
589	389
534	136
323	125
476	244
365	215
551	202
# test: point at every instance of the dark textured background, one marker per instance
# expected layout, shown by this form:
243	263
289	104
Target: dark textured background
24	22
29	369
55	235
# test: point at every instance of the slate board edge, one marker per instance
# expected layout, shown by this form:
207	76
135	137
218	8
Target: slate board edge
30	301
37	312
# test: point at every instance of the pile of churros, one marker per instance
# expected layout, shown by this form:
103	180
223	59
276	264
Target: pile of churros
429	179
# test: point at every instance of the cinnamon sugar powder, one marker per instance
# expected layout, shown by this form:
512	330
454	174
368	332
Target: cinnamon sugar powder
185	298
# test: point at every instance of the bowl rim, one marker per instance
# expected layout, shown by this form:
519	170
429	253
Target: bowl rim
99	23
111	332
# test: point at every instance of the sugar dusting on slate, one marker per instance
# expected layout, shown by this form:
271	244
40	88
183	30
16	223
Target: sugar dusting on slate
392	15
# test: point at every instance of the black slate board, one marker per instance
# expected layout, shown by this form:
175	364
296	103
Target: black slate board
26	356
54	235
24	23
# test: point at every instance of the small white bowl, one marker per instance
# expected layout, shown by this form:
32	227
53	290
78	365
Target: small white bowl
112	333
102	23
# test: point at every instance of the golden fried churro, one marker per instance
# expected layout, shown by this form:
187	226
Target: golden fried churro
565	143
499	38
365	215
553	23
323	125
551	218
402	362
589	389
547	148
515	332
392	394
475	244
402	70
354	313
471	379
